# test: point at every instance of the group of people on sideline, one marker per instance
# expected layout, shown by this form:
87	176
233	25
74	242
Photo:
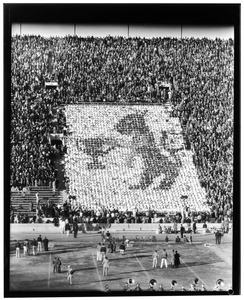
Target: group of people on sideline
37	245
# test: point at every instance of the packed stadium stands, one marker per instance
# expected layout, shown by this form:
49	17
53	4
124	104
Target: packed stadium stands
124	71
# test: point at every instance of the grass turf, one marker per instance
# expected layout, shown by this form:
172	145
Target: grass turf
35	273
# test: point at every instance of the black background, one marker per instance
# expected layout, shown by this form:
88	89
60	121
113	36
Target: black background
154	14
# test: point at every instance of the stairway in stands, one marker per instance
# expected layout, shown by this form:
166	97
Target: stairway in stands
21	203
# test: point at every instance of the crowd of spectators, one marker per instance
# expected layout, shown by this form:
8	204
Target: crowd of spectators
204	102
72	209
117	165
116	69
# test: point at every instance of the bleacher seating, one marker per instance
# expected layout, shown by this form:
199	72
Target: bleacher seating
121	70
21	202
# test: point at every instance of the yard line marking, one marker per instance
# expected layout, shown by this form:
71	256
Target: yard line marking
141	266
49	271
193	271
97	271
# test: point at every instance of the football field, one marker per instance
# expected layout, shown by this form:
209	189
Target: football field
35	273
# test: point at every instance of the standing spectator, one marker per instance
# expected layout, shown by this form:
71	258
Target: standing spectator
175	227
227	225
103	251
34	247
222	225
55	266
164	259
155	259
182	230
99	254
70	275
17	247
67	226
105	266
173	259
75	229
45	244
177	259
25	246
103	235
194	227
62	226
39	241
58	262
110	247
108	235
217	237
113	247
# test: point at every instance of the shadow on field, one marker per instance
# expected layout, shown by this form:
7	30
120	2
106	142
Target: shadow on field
122	257
78	269
84	269
195	263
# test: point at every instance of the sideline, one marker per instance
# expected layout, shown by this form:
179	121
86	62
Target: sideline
142	266
192	271
99	277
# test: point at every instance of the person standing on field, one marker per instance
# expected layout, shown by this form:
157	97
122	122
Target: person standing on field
164	259
105	266
182	230
17	246
45	244
55	265
34	247
25	246
75	229
39	243
58	263
70	275
103	251
177	259
155	259
173	259
99	254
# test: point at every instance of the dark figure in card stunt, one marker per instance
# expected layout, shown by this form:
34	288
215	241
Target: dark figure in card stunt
155	163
